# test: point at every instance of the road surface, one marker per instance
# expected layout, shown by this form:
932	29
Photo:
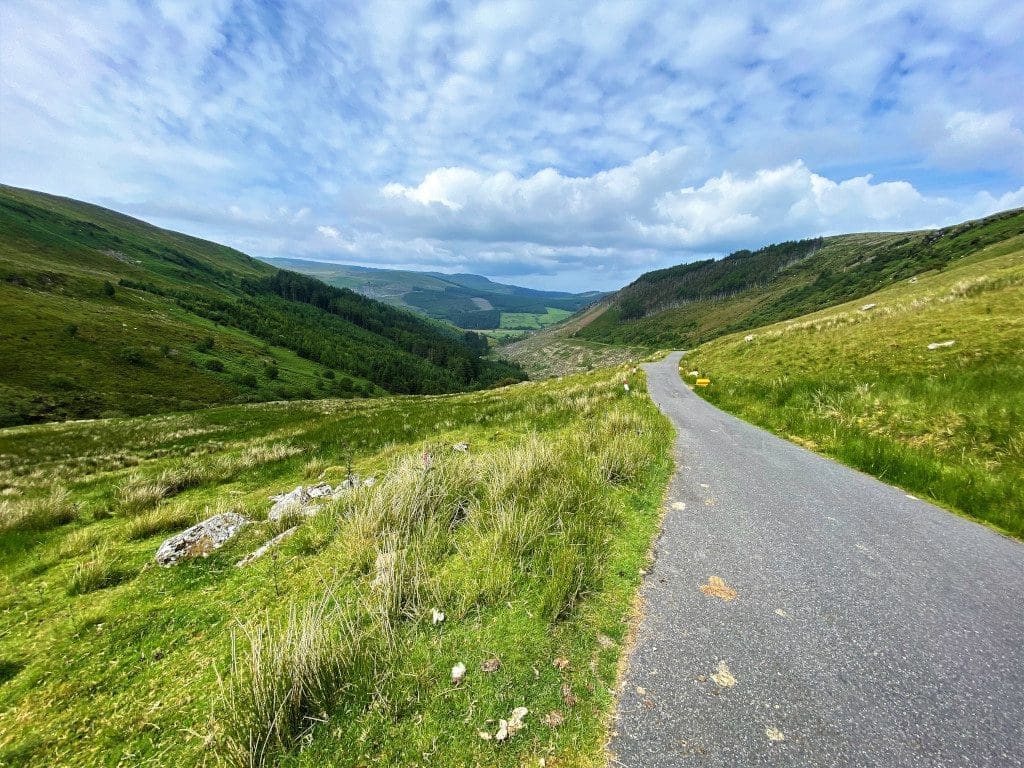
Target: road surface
868	628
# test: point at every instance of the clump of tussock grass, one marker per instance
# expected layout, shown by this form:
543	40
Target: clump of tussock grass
79	542
543	513
104	567
288	520
314	468
410	517
618	445
257	456
286	676
348	527
159	520
55	509
138	494
622	458
189	473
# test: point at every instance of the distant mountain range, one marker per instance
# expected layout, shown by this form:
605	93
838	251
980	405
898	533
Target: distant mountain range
466	300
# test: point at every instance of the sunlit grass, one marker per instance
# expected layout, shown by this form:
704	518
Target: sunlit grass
861	385
322	651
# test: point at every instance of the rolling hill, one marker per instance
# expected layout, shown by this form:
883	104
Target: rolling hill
102	314
465	300
685	305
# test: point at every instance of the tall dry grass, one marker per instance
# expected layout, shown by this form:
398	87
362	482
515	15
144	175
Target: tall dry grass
530	520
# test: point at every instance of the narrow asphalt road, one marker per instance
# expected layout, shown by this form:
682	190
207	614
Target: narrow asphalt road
868	628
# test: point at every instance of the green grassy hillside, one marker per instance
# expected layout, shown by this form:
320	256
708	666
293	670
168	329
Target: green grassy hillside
686	305
102	314
324	653
465	300
859	382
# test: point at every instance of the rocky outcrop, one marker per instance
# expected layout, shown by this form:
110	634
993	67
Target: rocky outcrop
301	501
257	553
201	539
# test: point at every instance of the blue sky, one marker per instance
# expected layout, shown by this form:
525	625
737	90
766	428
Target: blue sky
566	145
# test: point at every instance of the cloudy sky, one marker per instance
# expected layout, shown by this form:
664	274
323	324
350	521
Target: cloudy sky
553	144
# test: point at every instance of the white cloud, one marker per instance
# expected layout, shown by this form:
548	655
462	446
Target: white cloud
516	133
644	205
980	139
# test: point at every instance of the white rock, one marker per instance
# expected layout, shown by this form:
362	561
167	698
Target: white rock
257	553
201	539
694	374
866	307
298	501
458	673
293	502
749	337
940	344
319	491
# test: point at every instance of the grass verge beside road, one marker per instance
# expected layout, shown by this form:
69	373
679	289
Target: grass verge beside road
324	652
858	382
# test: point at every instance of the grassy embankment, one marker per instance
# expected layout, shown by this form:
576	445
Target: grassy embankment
532	544
863	387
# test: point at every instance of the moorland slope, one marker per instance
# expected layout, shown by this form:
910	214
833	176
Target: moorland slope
530	539
683	306
103	314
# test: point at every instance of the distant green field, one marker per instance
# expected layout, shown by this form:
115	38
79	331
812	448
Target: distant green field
532	321
859	383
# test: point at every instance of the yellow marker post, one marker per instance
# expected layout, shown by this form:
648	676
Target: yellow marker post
703	382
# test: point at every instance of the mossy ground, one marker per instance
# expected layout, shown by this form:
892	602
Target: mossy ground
532	544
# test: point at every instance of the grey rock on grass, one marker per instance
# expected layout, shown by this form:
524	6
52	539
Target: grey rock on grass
201	539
